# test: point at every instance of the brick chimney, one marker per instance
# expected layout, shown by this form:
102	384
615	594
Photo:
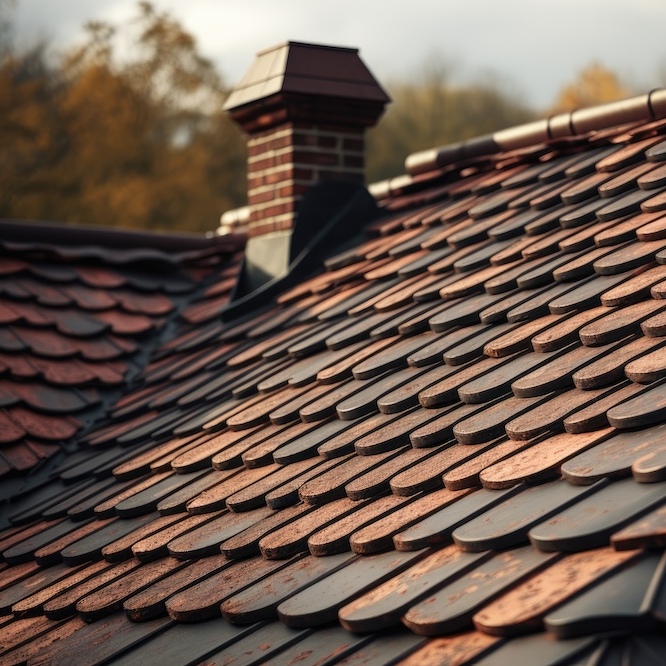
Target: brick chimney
305	108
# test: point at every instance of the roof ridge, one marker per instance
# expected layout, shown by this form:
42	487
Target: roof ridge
641	108
62	233
647	107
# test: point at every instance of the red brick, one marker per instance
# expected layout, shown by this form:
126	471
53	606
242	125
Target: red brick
283	225
304	174
306	153
269	225
353	144
271	119
253	150
340	129
323	159
276	177
284	160
269	210
304	140
354	161
261	228
328	141
277	144
293	190
262	165
286	173
254	198
302	126
255	181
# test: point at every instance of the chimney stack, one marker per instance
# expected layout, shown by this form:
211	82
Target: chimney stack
305	108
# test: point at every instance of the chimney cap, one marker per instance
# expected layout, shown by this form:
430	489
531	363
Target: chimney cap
297	68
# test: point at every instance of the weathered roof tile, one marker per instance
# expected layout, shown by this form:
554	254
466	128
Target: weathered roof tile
476	393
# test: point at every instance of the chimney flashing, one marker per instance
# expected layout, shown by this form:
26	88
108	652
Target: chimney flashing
305	108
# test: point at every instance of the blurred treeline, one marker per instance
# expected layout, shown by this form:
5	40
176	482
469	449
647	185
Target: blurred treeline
127	128
435	110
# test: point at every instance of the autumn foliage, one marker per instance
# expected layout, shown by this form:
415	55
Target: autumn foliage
137	141
594	84
434	109
127	129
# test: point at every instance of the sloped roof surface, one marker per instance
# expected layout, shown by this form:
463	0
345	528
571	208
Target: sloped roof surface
447	448
77	321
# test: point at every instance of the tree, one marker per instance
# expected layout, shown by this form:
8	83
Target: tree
432	110
595	84
29	132
141	142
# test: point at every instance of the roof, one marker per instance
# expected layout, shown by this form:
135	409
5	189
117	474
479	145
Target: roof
447	447
80	311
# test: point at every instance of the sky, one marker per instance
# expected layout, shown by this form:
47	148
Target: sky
533	47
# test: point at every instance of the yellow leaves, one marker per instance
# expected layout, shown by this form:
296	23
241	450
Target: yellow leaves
27	133
133	139
123	202
434	110
595	84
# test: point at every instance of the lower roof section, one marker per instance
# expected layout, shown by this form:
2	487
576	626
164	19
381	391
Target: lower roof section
80	311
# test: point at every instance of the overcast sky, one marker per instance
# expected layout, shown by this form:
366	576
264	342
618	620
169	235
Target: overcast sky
535	46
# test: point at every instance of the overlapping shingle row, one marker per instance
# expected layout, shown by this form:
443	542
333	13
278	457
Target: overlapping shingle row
446	448
74	325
